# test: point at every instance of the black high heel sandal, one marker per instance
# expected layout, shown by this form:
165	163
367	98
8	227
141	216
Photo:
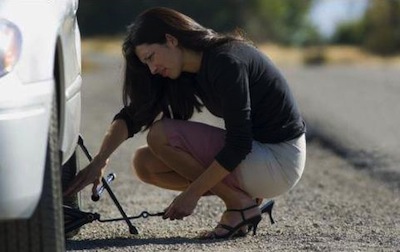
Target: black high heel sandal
236	231
267	208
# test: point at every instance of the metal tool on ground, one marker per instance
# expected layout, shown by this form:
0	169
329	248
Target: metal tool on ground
76	218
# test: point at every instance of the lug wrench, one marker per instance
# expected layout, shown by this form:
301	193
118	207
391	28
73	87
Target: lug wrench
100	190
132	228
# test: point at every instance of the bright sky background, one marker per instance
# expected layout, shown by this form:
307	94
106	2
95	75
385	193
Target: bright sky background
326	14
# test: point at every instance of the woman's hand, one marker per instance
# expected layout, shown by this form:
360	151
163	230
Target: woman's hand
182	206
91	174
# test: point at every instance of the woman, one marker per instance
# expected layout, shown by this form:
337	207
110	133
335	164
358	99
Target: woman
173	66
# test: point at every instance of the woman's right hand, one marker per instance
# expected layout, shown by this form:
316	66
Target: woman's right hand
91	174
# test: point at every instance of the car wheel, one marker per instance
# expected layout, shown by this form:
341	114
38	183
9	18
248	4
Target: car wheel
44	231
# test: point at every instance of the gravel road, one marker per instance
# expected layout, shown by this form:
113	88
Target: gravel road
335	206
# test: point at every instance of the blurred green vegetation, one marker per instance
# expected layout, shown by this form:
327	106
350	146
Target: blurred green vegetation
280	21
378	31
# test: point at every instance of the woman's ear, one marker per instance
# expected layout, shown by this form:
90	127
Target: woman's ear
171	40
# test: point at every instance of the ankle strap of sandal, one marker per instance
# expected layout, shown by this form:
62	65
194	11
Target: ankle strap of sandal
241	211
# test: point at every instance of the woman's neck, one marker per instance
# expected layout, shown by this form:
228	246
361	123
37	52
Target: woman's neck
191	61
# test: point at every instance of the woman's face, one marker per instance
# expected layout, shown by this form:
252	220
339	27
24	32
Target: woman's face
163	59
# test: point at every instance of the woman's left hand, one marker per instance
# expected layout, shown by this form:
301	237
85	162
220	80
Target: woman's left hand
182	206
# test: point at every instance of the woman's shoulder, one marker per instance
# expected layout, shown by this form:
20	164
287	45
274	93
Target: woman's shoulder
231	48
232	51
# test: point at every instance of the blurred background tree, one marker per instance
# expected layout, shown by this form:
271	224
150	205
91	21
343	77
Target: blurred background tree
378	31
280	21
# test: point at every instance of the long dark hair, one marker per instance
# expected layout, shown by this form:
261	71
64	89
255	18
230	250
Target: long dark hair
149	94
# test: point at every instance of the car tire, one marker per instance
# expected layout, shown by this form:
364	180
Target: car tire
44	231
69	171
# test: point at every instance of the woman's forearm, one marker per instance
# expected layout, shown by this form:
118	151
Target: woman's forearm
214	174
114	137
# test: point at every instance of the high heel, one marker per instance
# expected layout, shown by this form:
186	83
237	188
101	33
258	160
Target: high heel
236	231
267	208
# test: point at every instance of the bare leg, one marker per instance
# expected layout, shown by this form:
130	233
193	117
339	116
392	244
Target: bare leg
153	171
165	166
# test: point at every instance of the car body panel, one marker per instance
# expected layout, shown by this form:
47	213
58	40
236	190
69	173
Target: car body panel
48	28
23	133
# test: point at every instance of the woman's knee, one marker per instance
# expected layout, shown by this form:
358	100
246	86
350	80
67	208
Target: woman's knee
140	164
156	136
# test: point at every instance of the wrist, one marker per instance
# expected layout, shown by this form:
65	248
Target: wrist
100	159
194	191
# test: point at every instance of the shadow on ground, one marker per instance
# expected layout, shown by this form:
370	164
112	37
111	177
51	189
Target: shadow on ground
131	242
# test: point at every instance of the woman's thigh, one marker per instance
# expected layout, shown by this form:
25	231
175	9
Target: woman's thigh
144	159
200	140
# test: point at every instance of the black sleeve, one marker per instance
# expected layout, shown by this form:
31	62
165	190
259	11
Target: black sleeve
126	114
231	82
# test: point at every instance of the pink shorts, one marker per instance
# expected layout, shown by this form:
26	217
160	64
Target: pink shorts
267	171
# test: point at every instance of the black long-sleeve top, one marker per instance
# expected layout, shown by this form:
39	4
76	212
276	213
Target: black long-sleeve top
240	84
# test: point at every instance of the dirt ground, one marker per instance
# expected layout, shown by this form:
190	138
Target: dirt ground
333	208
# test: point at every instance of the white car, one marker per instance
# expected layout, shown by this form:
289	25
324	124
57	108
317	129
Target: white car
40	109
